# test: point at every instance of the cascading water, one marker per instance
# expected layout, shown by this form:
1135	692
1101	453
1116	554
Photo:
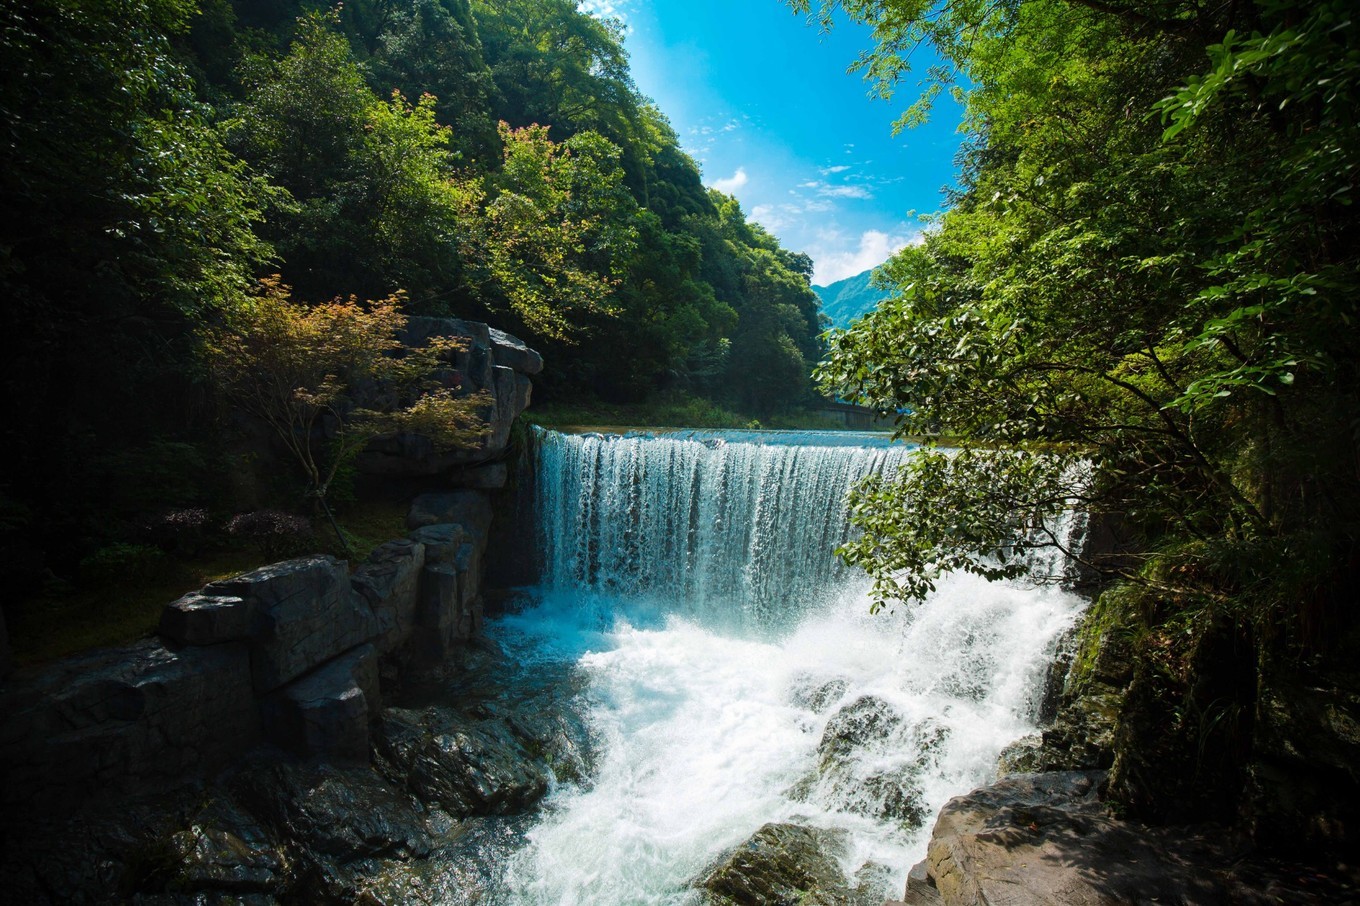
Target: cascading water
730	673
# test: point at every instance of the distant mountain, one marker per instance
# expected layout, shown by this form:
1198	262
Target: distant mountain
847	299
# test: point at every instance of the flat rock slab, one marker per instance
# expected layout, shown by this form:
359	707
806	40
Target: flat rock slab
1047	840
122	720
199	619
512	352
303	613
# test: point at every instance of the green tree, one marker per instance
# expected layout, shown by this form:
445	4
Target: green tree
302	371
374	201
1142	303
556	229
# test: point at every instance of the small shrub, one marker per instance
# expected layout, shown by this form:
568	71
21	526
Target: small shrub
274	532
120	564
180	532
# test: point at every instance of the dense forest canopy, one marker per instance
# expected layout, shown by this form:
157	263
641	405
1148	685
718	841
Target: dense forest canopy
1149	277
489	160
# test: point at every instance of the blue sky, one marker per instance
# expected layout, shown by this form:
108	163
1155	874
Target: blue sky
763	101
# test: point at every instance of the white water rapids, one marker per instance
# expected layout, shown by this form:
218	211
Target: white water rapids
731	675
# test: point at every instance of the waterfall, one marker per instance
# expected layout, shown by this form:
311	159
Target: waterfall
731	674
731	526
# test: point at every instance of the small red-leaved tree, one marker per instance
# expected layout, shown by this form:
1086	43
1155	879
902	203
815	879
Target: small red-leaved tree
297	368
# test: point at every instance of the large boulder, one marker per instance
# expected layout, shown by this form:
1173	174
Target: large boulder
124	720
780	863
1047	840
390	582
303	613
871	762
511	352
326	713
205	619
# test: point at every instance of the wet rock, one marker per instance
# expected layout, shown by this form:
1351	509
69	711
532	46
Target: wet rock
871	885
779	864
338	814
1024	756
303	614
817	693
226	851
553	735
1046	839
871	763
865	721
465	765
199	619
1081	737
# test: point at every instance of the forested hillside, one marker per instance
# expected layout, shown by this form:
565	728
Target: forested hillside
489	160
845	300
1150	275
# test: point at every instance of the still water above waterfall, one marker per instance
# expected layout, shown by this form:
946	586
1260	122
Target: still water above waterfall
729	672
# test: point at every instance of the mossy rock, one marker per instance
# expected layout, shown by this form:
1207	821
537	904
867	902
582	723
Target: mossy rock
780	864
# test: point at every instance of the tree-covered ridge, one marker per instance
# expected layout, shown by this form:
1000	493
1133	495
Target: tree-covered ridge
1149	275
489	160
845	300
617	245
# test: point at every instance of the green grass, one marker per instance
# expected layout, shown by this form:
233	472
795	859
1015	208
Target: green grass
68	620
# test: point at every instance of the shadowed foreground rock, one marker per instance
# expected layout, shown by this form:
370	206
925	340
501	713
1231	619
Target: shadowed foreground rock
1048	840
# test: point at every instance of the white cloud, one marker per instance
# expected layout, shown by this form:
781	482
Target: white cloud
731	183
845	192
832	171
829	191
875	247
606	9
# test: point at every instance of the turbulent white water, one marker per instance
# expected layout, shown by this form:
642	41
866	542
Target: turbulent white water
733	676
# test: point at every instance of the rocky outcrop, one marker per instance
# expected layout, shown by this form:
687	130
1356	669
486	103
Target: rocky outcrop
1303	778
303	612
494	364
389	582
467	766
1049	840
327	713
287	654
116	721
448	780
